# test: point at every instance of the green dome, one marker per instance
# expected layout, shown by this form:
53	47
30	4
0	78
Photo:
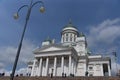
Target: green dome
70	26
88	51
81	34
48	39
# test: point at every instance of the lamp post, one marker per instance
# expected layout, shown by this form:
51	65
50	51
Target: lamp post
16	16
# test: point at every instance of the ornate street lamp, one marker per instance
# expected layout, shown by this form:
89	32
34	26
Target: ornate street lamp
16	16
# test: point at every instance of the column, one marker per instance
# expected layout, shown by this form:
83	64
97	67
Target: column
62	64
102	74
72	64
47	61
40	67
69	64
33	67
74	67
55	65
109	70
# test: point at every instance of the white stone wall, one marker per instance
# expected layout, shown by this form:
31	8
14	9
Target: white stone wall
81	68
80	46
95	70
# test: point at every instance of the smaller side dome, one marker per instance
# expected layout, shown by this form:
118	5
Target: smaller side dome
46	42
82	34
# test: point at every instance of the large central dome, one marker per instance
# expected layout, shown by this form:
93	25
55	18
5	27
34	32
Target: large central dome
70	26
69	33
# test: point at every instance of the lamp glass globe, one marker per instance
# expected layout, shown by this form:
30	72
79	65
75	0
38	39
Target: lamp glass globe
42	9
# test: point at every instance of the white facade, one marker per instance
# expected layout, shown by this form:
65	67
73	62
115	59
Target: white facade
71	57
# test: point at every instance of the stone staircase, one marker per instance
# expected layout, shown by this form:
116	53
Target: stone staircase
60	78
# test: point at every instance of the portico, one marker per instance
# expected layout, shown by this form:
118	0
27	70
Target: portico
56	65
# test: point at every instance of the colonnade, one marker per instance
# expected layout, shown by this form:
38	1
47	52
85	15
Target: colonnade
71	66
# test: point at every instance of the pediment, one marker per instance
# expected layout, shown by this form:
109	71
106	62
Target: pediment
50	48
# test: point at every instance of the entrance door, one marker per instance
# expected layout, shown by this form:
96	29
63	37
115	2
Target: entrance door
105	69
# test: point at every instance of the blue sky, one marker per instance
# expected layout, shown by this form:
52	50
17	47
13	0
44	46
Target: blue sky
99	20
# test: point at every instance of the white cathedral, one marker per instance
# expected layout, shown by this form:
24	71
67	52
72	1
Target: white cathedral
70	57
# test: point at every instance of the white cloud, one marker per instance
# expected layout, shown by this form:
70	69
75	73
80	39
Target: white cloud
103	38
106	32
2	65
8	53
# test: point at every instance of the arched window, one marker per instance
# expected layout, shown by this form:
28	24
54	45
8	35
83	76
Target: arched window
70	37
66	38
66	34
74	37
63	38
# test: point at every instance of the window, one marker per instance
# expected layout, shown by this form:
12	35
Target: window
63	39
90	68
74	37
90	74
66	38
70	37
66	34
